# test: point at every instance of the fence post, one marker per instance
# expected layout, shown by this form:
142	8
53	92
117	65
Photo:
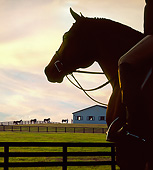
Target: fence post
64	157
113	157
6	151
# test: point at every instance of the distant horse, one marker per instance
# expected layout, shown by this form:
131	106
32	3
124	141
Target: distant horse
17	122
47	120
65	120
33	121
105	41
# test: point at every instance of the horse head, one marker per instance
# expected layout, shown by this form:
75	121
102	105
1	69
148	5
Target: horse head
72	53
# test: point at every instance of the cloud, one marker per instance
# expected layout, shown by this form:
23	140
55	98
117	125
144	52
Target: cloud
26	95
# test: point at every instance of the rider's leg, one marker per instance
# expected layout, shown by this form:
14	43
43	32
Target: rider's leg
130	87
130	93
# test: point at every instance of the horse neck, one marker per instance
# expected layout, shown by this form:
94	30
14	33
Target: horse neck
106	42
111	48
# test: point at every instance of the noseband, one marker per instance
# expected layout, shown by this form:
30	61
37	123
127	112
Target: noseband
58	64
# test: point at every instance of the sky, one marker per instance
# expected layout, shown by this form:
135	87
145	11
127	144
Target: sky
30	33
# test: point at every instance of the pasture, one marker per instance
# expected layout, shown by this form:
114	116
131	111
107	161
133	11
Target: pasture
53	137
50	137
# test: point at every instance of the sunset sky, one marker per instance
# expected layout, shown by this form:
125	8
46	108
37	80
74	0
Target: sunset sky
30	33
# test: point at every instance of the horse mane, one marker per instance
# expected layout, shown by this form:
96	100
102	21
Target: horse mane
112	22
103	25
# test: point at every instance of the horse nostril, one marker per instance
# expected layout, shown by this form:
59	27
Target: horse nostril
45	70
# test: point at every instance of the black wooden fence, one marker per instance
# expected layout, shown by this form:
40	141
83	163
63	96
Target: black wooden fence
65	154
18	128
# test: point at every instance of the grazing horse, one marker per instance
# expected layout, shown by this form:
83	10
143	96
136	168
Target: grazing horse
33	121
17	122
64	120
47	120
105	41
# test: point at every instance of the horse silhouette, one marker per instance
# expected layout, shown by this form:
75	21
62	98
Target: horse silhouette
33	121
47	120
16	122
105	41
64	120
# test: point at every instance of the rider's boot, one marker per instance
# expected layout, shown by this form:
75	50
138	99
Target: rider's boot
131	97
116	130
130	89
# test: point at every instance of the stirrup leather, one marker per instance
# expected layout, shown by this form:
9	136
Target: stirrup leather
110	133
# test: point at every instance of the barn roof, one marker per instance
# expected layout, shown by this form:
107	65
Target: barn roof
104	107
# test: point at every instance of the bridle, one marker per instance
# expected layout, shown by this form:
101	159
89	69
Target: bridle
59	66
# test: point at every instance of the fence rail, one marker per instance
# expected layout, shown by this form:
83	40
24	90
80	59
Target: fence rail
65	154
18	128
26	122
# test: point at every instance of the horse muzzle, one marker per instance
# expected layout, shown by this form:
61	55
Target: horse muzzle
53	74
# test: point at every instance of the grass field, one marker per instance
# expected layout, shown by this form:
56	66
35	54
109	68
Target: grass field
52	137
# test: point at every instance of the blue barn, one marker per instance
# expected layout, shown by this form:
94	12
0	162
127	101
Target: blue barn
91	115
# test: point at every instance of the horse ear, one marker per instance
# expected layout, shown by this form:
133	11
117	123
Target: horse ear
75	15
81	15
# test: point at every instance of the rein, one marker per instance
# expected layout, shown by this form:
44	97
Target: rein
85	90
88	72
59	66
